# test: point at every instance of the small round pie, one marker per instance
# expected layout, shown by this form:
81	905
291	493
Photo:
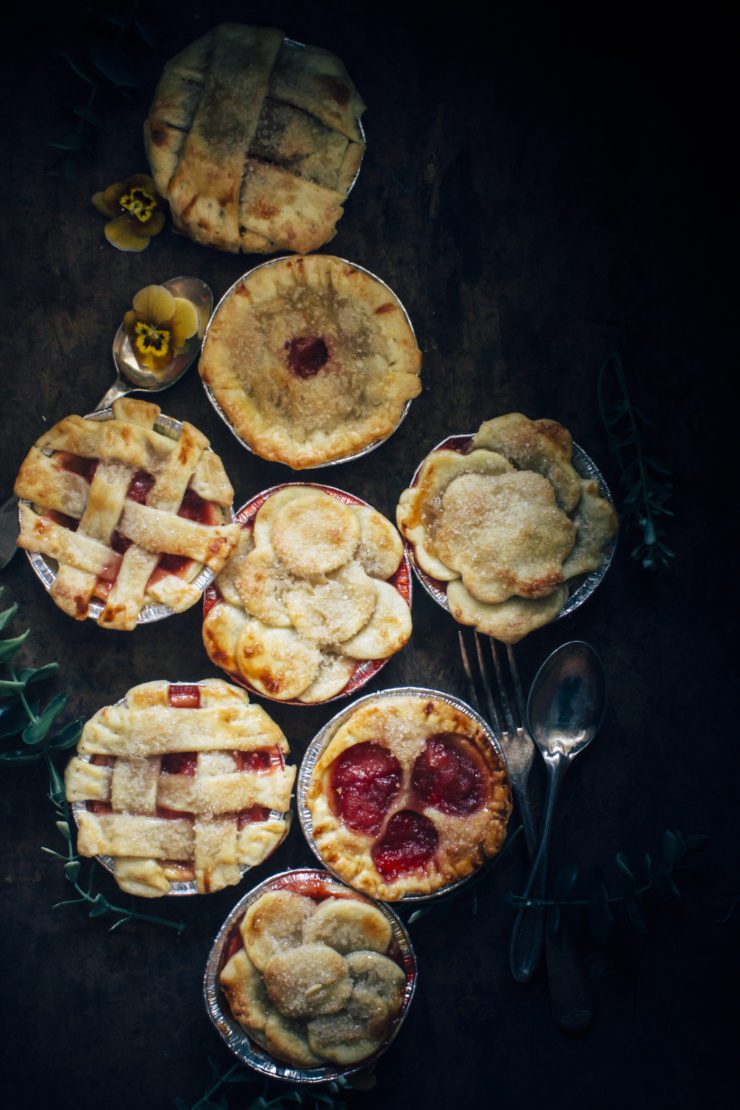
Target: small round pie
126	515
501	524
325	989
310	360
404	793
315	599
180	788
255	140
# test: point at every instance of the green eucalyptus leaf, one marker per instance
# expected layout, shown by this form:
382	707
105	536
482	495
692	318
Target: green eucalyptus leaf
672	850
599	914
72	870
21	756
258	1103
77	68
628	878
73	140
10	686
12	719
84	111
99	907
37	730
63	827
68	735
112	61
10	648
147	34
565	881
7	615
665	885
634	915
31	675
56	783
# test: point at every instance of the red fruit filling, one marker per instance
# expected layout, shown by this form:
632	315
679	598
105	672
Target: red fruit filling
306	355
448	775
75	464
259	761
254	813
364	780
139	487
409	842
181	696
179	763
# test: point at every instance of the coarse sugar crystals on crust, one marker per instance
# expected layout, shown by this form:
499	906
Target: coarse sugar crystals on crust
311	360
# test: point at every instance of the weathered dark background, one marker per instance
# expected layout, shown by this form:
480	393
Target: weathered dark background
542	185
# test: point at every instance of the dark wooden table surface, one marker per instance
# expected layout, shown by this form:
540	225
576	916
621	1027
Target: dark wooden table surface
540	188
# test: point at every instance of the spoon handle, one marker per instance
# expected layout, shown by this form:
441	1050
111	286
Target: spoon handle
119	389
527	932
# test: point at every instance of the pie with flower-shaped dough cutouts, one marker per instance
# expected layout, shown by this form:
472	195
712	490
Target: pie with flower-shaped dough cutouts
311	360
409	796
307	599
180	784
504	525
126	512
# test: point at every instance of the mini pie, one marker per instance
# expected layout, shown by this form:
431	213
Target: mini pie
129	515
409	796
314	981
306	600
180	784
505	525
311	360
255	140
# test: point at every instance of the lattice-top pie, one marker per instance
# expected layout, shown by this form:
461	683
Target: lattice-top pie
180	784
255	140
128	512
311	596
311	360
504	523
315	977
409	796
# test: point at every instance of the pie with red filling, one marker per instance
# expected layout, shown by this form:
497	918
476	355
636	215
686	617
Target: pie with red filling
409	796
180	784
311	360
126	512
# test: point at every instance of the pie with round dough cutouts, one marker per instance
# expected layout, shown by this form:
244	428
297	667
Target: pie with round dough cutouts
180	784
505	524
315	596
311	360
255	140
408	796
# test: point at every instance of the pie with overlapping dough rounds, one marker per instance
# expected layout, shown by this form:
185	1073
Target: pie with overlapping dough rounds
314	979
311	360
504	525
127	512
409	796
180	787
311	595
255	140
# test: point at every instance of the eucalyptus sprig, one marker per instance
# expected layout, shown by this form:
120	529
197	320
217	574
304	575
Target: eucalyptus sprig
314	1097
112	59
658	878
644	479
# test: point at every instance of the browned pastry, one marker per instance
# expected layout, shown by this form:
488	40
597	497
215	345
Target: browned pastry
255	140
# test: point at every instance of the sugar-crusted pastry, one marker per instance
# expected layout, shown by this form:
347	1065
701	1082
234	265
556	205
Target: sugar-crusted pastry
180	784
310	601
125	513
504	524
408	796
255	140
311	360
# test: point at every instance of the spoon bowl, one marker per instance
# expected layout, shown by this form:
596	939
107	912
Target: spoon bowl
567	700
130	376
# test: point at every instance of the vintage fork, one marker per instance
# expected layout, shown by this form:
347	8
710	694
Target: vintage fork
507	713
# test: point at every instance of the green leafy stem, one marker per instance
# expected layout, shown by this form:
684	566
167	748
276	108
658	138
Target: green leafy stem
21	713
643	478
312	1098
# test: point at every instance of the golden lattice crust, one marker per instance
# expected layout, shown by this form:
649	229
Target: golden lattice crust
255	140
506	525
107	542
304	599
315	982
164	822
403	725
369	360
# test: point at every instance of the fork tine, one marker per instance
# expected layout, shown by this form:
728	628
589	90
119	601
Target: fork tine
511	724
493	710
517	686
468	670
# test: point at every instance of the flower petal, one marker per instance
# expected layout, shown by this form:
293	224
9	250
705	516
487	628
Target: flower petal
107	201
155	303
154	225
184	323
121	234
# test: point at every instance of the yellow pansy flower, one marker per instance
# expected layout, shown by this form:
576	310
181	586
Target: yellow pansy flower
159	325
136	211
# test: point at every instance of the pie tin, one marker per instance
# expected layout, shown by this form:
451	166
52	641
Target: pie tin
189	886
584	467
236	1037
323	738
211	397
44	571
401	580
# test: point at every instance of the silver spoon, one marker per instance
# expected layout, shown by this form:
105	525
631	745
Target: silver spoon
565	709
129	377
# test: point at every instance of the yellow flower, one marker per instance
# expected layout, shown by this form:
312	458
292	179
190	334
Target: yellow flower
159	325
136	212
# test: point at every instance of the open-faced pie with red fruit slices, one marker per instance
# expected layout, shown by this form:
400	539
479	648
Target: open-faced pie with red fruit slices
180	787
128	509
409	795
311	360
